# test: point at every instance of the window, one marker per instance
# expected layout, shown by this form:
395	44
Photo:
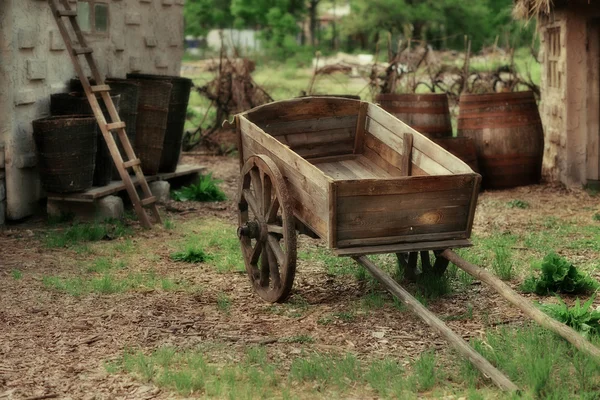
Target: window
92	16
553	50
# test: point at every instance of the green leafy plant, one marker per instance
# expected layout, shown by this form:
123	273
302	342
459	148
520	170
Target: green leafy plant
517	204
206	189
596	217
558	275
579	317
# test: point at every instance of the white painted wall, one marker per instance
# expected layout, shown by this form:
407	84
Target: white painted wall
145	36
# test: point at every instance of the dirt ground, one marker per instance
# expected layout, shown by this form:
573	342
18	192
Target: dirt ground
55	344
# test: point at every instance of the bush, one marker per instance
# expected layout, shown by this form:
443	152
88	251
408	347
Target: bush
558	275
206	189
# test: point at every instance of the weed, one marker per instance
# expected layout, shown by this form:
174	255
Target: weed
385	377
433	286
191	255
125	247
206	189
424	371
517	204
16	274
223	302
596	217
340	372
346	316
104	264
299	339
502	264
558	275
579	317
169	224
256	356
373	300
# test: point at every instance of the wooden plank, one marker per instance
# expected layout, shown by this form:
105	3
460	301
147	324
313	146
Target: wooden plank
358	169
430	319
422	144
407	185
301	109
402	248
396	142
409	218
375	157
339	148
361	126
96	192
308	139
182	170
428	237
335	172
471	218
370	166
332	215
329	159
375	148
280	128
407	153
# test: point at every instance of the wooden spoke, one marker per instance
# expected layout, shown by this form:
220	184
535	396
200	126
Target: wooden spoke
274	269
256	253
274	245
273	208
252	202
266	215
275	229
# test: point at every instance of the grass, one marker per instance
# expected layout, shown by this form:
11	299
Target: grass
191	254
223	302
16	274
216	238
85	232
517	204
110	283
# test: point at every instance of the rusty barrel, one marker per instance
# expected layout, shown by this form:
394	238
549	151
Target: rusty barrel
507	131
428	113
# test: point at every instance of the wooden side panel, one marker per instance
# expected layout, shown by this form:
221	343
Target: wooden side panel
303	109
307	184
426	155
404	210
320	137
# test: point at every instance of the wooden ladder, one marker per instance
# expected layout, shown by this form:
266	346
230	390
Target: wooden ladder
106	127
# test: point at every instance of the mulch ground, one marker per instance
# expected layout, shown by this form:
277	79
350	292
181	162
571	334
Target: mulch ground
55	344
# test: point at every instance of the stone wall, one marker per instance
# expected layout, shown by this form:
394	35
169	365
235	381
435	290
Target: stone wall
144	36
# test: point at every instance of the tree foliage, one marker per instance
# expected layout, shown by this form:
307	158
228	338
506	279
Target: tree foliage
204	15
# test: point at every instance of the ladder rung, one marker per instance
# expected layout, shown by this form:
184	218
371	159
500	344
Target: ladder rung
83	50
115	125
131	163
67	13
100	88
148	201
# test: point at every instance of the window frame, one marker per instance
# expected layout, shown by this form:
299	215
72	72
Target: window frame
553	56
92	7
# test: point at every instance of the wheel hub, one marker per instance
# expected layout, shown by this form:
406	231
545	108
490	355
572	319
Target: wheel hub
251	229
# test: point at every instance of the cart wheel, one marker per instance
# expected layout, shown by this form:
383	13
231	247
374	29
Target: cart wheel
266	229
408	262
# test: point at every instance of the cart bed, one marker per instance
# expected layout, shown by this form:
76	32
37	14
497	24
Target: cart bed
361	178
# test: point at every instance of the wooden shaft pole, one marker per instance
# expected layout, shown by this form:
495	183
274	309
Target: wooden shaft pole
430	319
524	305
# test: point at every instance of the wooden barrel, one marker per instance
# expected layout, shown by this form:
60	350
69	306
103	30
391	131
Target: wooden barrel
463	148
178	103
151	126
66	149
507	131
428	114
75	103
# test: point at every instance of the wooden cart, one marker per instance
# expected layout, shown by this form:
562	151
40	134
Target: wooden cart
348	172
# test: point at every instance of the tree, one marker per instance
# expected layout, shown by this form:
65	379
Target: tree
203	15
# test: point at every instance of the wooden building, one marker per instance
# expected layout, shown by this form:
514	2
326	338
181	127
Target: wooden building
126	35
570	108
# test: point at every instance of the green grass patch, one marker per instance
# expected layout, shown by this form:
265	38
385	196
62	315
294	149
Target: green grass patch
169	224
111	283
206	189
544	365
16	274
191	254
517	204
223	302
85	232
